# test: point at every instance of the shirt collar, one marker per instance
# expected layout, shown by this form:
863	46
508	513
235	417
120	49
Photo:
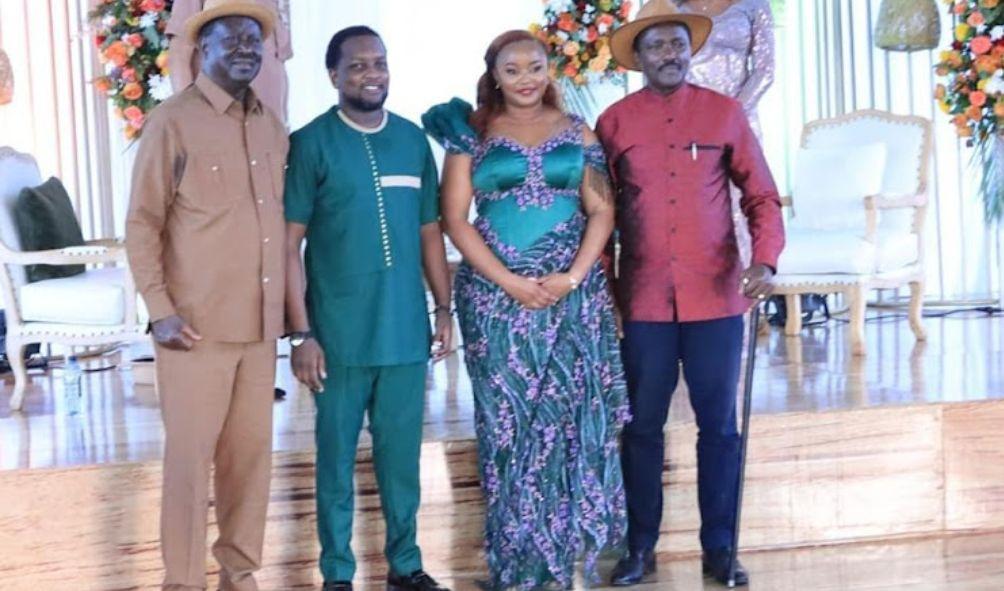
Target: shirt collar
220	99
681	96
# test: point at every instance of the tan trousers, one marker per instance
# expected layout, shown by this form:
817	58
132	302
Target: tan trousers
216	402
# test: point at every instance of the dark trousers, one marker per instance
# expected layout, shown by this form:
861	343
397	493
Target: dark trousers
709	352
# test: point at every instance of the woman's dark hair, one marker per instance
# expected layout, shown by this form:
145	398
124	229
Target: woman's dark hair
490	99
334	53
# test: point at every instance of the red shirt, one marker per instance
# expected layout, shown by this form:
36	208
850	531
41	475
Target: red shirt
671	159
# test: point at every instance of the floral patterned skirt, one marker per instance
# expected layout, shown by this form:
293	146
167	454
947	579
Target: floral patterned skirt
550	402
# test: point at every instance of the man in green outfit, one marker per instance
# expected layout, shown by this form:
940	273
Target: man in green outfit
361	187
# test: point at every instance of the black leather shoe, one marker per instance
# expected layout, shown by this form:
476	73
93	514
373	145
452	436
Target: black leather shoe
416	581
631	569
716	566
337	586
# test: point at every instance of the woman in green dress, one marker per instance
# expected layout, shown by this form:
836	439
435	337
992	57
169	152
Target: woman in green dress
537	318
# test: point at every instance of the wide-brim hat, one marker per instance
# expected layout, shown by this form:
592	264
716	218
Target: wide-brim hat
656	12
214	9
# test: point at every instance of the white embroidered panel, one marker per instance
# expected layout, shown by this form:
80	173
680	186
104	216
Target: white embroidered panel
409	181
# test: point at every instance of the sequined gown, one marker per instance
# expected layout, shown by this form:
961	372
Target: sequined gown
549	392
738	61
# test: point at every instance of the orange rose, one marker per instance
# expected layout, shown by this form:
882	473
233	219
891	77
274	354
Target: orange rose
999	109
129	74
976	19
981	44
965	131
975	113
117	53
132	91
565	22
102	84
571	48
591	34
939	92
133	113
152	5
986	63
959	8
959	120
570	70
977	98
135	39
161	60
989	3
131	132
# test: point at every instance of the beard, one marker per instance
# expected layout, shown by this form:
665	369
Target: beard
364	105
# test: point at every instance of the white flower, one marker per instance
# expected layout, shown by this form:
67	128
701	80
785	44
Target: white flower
160	88
995	85
148	20
997	33
109	21
558	5
602	28
981	28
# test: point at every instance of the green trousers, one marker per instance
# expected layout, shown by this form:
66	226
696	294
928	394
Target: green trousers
394	399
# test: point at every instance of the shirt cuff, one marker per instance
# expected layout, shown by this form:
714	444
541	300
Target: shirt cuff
159	305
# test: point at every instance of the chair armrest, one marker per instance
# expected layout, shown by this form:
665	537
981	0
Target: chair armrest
896	201
74	255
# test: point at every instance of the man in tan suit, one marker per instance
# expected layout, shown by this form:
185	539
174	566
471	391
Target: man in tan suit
270	85
205	236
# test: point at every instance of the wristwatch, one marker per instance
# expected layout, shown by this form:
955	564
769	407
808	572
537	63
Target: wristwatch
298	338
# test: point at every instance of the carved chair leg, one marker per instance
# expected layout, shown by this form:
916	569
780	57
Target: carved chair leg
793	312
917	310
15	356
857	302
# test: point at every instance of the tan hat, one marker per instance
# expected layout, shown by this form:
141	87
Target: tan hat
214	9
656	12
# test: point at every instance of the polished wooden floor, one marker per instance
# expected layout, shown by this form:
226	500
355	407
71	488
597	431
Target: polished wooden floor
879	473
962	360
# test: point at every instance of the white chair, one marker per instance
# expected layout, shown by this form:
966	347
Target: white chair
858	205
98	307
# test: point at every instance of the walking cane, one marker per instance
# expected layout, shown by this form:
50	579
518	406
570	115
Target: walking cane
744	438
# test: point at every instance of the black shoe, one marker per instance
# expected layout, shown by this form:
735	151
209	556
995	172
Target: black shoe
337	586
716	566
631	569
416	581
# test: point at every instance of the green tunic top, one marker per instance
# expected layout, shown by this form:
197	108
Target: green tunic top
363	195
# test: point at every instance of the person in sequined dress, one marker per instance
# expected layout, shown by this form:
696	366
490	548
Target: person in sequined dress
737	61
537	319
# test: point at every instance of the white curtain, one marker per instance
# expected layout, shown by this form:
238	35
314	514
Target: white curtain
56	116
434	48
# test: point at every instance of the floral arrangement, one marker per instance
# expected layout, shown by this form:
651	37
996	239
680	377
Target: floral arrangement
973	90
577	35
131	43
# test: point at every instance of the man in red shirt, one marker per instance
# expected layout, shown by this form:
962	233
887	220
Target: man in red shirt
673	149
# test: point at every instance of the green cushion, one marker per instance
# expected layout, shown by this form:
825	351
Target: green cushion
45	221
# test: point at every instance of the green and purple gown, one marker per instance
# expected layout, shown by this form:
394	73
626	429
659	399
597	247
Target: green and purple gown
549	390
